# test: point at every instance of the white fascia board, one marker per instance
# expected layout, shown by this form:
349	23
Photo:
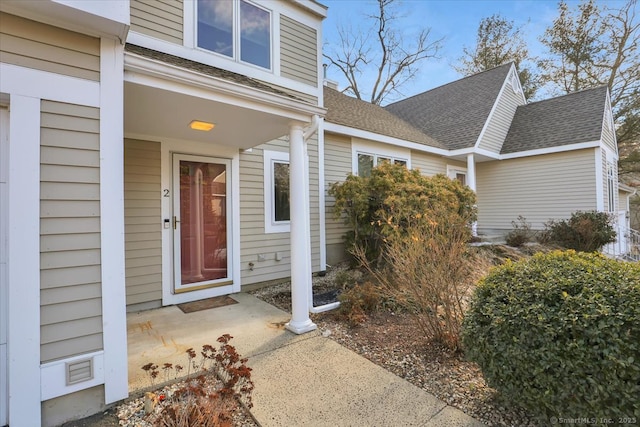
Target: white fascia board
312	6
153	73
551	150
99	18
471	150
208	58
372	136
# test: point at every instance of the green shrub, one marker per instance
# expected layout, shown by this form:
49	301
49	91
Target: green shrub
583	232
559	334
383	203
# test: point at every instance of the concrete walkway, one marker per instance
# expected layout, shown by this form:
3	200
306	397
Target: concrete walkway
300	380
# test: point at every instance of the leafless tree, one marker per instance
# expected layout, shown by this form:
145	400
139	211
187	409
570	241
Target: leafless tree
383	51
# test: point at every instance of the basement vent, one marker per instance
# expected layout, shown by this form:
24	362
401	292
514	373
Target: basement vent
79	371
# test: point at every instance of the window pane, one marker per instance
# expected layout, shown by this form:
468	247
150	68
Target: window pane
215	26
255	35
400	162
462	178
365	164
382	160
281	191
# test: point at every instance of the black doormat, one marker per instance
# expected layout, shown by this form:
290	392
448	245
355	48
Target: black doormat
325	298
206	304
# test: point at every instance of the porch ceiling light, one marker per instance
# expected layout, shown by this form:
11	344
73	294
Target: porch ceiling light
203	126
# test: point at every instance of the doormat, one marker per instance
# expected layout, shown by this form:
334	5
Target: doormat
206	304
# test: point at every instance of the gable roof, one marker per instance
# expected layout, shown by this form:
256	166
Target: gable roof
564	120
454	114
348	111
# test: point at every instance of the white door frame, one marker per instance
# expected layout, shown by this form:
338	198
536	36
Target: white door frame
4	279
178	287
169	147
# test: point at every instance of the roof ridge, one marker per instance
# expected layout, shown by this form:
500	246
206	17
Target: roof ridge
450	83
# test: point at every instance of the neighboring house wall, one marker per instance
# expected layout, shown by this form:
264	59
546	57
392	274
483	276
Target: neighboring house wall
540	188
298	51
161	19
143	219
497	127
43	47
254	242
70	306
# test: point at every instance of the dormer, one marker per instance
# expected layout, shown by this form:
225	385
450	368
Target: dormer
276	42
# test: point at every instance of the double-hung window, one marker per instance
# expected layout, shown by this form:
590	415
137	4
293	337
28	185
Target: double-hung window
237	29
276	192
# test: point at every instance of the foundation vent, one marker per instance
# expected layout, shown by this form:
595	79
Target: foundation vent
79	371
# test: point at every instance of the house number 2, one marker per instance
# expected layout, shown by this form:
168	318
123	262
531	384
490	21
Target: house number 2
165	192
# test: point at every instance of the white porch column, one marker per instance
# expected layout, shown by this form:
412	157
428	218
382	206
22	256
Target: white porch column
471	182
300	248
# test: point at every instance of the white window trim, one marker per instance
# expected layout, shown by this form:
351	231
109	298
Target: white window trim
236	36
453	170
377	150
270	224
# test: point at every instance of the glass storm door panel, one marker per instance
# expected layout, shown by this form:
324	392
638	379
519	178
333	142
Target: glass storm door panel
202	225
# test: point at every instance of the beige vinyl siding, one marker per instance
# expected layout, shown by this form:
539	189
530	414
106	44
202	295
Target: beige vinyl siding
70	297
253	239
337	165
608	135
498	125
161	19
142	221
430	164
298	51
43	47
540	188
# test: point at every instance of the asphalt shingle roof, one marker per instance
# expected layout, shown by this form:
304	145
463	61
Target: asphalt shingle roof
348	111
454	114
568	119
204	69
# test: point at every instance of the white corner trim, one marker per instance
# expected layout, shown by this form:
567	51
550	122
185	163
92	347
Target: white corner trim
599	180
53	375
189	23
24	260
45	85
270	225
372	148
114	316
321	197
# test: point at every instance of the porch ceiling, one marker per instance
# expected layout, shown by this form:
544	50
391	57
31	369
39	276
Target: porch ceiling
160	113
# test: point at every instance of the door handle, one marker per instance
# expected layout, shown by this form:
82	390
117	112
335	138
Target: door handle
175	222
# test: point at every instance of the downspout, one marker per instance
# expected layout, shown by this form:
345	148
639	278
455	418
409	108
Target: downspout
313	128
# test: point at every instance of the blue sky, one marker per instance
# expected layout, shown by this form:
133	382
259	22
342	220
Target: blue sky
455	20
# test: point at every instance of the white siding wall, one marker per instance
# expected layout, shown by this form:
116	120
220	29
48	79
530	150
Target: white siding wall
540	188
161	19
498	126
70	306
298	51
43	47
143	240
253	239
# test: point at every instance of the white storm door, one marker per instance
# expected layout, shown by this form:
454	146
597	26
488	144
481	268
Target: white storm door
201	222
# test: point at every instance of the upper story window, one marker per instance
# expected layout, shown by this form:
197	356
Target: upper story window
237	29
